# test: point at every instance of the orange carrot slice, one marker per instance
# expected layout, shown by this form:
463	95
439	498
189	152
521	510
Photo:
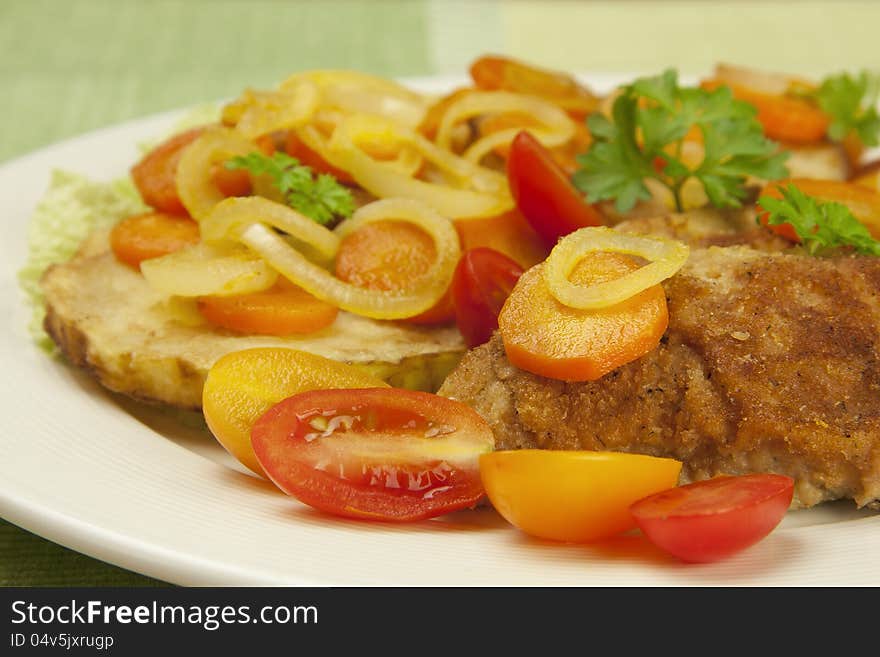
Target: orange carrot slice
151	235
545	337
495	72
508	233
784	118
389	255
284	309
155	175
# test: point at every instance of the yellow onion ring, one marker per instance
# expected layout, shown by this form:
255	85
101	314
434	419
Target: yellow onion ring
229	217
195	185
204	269
665	257
408	161
266	112
489	194
556	128
378	304
360	93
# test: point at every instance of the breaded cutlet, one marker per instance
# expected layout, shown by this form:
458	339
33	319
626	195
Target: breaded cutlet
771	363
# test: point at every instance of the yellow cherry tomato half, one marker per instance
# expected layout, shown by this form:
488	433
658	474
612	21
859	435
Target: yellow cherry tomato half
243	385
572	496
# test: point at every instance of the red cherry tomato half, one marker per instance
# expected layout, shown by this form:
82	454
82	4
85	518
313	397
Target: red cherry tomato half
713	519
481	284
374	453
543	192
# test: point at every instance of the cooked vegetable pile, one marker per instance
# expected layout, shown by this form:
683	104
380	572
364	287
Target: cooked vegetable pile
490	208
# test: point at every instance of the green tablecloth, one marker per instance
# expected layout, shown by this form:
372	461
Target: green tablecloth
70	66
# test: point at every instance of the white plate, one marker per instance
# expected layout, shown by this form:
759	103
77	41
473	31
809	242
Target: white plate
125	484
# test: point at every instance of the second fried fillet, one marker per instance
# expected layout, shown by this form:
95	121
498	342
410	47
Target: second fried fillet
771	363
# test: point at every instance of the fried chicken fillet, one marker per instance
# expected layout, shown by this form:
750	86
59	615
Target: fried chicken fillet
771	363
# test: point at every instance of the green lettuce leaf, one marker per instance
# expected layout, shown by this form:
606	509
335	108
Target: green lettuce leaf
72	207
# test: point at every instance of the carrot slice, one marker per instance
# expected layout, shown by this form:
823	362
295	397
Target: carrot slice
869	176
545	337
488	72
863	202
231	182
389	255
442	312
566	155
853	149
784	118
508	233
155	175
495	72
151	235
284	309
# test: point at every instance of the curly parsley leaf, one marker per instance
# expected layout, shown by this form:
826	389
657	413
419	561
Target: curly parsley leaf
649	122
322	198
822	227
851	102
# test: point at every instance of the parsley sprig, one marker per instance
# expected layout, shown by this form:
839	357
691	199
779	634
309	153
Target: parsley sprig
822	227
851	102
320	197
649	122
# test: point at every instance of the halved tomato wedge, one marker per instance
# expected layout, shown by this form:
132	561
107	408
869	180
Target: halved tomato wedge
572	496
543	192
375	453
481	284
242	385
713	519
